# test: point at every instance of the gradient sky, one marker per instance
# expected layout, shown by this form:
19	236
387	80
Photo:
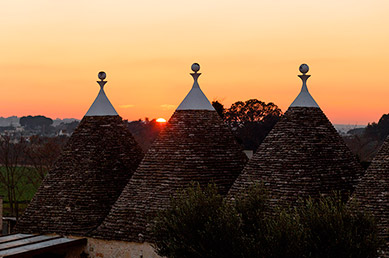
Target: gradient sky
51	52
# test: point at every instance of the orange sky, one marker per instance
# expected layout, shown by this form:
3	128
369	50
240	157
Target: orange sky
51	52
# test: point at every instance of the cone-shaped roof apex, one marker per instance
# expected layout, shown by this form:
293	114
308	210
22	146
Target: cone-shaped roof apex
196	99
304	99
101	106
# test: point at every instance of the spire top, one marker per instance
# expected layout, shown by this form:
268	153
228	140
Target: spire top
195	100
304	68
102	75
195	67
304	99
101	106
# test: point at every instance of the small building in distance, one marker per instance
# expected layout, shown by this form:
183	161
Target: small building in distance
91	172
372	193
194	146
302	156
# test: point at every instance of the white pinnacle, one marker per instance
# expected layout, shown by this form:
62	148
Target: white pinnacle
101	106
304	99
195	100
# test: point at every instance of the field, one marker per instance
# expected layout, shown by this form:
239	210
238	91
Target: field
24	187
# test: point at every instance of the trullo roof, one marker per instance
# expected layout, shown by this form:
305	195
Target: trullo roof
86	180
372	193
195	145
303	155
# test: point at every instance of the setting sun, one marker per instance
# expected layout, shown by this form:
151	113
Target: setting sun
161	120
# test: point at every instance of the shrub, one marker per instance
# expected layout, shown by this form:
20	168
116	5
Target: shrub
334	229
200	223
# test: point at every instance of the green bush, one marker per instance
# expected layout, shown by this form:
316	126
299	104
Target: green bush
200	223
334	229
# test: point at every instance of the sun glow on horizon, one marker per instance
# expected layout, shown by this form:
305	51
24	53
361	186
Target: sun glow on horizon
161	120
52	51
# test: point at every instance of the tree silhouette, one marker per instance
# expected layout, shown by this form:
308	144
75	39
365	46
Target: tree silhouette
145	132
365	144
251	110
33	122
219	107
380	130
250	120
41	153
12	170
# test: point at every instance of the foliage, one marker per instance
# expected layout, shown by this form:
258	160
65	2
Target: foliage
200	223
23	165
378	130
145	132
365	144
334	229
67	127
25	183
11	155
251	120
219	107
265	232
33	122
251	110
41	154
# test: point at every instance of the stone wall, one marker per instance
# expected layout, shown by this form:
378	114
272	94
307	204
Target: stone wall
118	249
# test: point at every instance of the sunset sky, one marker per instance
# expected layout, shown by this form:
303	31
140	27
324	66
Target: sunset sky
51	53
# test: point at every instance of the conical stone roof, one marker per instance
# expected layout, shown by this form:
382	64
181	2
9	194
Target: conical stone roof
86	180
372	194
195	145
303	155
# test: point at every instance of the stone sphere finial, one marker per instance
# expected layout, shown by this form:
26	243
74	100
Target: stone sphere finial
102	75
195	67
304	68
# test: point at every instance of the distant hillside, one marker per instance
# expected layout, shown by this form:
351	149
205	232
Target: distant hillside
344	129
58	121
14	121
7	121
365	143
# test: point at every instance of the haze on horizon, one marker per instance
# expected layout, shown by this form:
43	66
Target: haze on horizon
52	51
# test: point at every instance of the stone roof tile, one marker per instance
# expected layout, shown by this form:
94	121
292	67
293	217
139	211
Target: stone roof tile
86	180
372	193
303	155
196	146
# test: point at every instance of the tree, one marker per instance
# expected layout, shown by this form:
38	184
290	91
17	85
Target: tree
12	170
219	107
34	122
250	121
67	127
335	229
365	142
200	223
378	130
41	154
251	110
145	132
